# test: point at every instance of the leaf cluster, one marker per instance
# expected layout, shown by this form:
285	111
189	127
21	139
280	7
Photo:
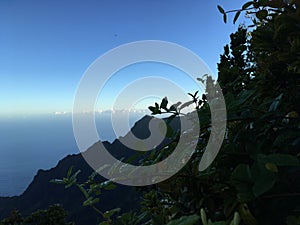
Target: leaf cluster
55	215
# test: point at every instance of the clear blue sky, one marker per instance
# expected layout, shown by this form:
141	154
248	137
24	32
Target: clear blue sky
46	46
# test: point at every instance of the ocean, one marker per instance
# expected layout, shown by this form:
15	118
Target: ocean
28	144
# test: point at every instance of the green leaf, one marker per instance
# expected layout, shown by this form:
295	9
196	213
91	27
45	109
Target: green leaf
70	183
263	185
164	103
141	217
105	166
272	4
190	94
186	104
242	180
196	94
293	220
57	181
90	201
203	216
152	108
74	176
201	80
238	13
170	118
263	178
282	159
108	185
271	167
111	212
105	223
156	105
225	18
263	2
173	108
170	131
246	5
262	14
70	171
273	107
221	10
286	137
185	220
115	166
241	173
81	188
236	219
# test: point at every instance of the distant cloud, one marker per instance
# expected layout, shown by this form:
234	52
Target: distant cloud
60	113
107	111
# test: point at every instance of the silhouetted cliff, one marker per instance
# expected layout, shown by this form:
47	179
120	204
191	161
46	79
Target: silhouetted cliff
40	194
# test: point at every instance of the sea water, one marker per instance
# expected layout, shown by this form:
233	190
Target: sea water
28	144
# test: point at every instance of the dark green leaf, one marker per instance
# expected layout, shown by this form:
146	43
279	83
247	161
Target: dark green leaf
105	223
263	179
74	176
170	118
263	185
164	103
70	172
219	223
111	212
221	10
57	181
273	3
236	16
81	188
156	105
186	104
170	131
201	80
191	95
70	183
246	5
225	18
263	2
90	201
241	173
275	103
262	14
108	185
152	108
282	160
173	108
293	220
271	167
185	220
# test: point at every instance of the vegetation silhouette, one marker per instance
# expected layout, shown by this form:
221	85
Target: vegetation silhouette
255	177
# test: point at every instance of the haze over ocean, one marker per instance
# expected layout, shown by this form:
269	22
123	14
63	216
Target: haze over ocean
39	142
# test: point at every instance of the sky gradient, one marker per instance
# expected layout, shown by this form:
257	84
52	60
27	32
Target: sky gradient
46	46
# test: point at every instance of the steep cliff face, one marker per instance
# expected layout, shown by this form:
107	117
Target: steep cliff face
40	194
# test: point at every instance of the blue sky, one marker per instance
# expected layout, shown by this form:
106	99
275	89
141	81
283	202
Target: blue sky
46	46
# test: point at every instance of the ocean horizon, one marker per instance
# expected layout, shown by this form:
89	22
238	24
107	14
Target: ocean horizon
28	144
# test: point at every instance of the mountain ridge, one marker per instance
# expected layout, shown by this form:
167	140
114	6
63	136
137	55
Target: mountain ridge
40	193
